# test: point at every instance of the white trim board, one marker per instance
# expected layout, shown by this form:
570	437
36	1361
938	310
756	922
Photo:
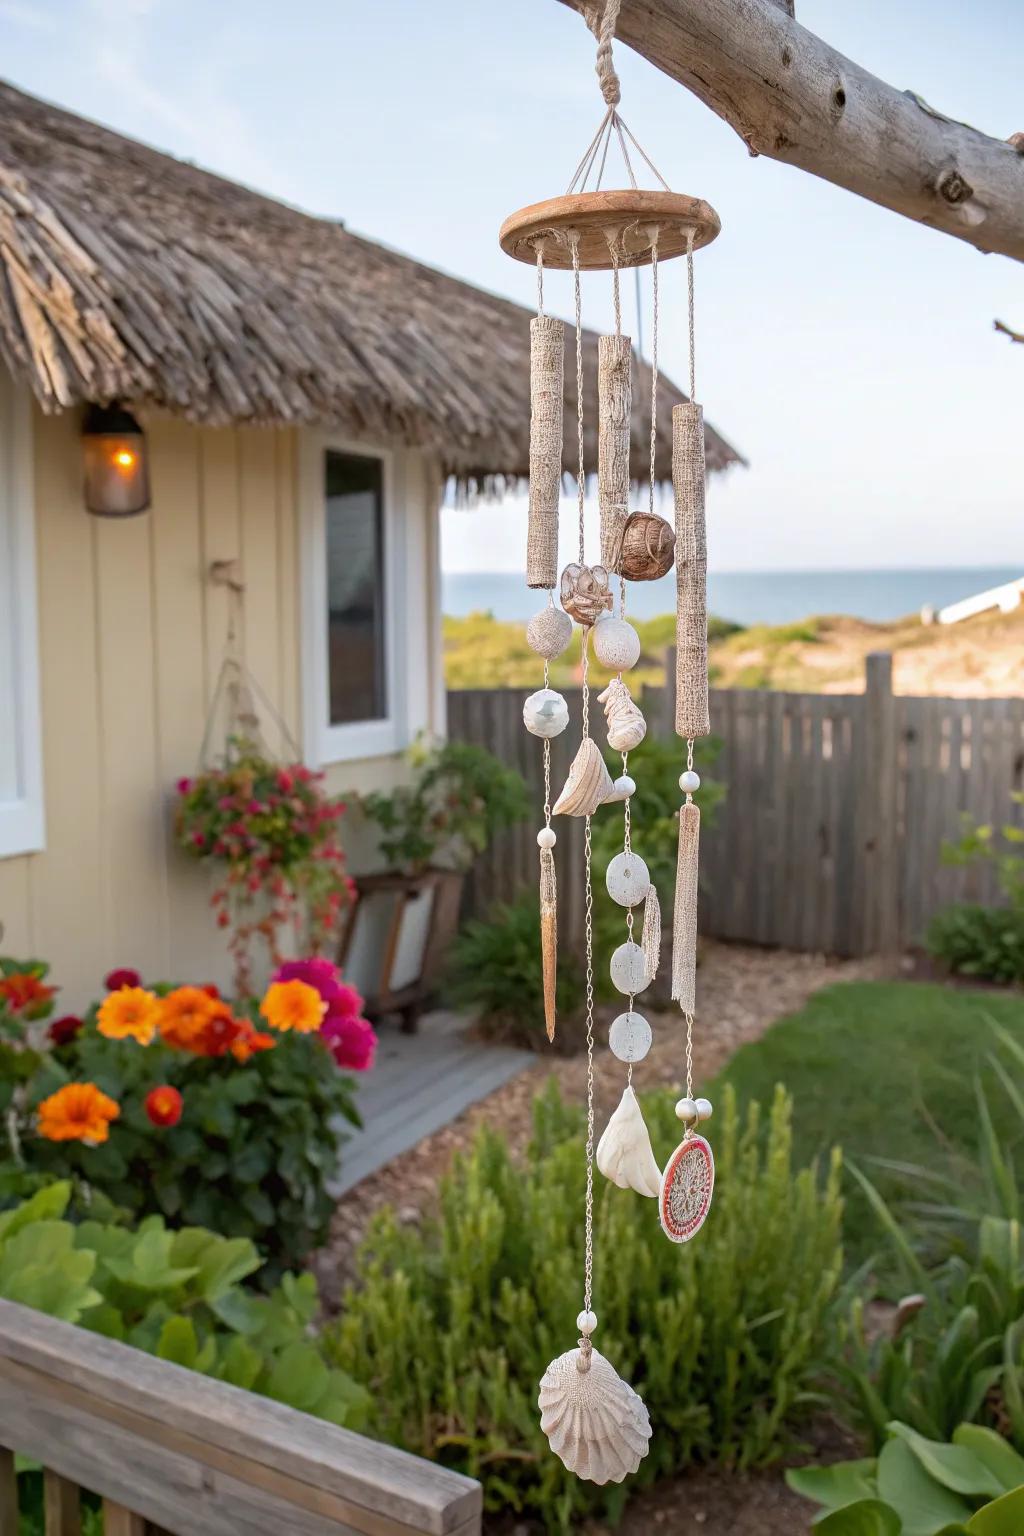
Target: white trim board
22	820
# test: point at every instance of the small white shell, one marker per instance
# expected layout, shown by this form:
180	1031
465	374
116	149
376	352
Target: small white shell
629	968
616	644
549	632
624	1152
545	713
627	879
626	724
595	1423
630	1037
589	783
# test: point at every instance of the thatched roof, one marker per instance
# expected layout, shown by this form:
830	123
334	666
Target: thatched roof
126	274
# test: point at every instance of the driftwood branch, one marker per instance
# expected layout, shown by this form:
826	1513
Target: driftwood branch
792	97
1005	330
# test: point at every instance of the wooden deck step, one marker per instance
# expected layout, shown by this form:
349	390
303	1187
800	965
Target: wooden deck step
419	1084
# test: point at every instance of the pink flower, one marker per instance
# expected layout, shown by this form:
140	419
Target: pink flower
345	1003
351	1041
183	786
285	781
123	977
316	972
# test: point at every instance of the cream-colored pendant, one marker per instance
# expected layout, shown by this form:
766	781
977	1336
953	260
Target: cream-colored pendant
624	1153
595	1423
589	783
626	879
626	724
545	713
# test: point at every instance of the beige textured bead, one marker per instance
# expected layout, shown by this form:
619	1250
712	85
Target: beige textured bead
549	632
684	926
547	353
692	718
614	358
616	644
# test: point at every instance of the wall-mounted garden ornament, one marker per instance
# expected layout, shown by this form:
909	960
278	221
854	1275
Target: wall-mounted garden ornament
594	1421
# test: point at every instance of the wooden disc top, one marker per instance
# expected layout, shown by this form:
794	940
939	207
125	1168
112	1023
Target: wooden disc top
601	221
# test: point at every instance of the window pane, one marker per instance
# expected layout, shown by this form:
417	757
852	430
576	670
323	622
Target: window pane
357	669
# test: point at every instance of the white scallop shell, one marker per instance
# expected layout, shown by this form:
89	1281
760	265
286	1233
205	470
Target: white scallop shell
630	1037
624	1152
616	644
627	879
589	783
549	632
629	968
595	1423
626	724
545	713
687	1185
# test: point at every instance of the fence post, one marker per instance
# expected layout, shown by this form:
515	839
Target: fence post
876	794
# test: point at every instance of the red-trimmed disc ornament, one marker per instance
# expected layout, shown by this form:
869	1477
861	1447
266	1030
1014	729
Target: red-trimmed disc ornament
687	1185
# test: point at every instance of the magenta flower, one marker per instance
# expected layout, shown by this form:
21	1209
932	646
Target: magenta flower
351	1041
184	786
317	972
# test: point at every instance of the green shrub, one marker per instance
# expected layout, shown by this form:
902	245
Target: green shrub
177	1295
972	940
921	1487
452	1326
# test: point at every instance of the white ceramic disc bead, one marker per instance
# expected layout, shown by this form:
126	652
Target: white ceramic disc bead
689	781
629	968
546	837
545	713
616	644
627	879
586	1322
704	1110
630	1037
625	785
549	632
686	1110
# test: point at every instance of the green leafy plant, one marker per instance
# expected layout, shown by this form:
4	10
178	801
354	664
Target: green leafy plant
177	1295
983	941
451	1326
920	1487
459	797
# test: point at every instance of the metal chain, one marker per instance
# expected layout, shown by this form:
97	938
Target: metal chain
588	1281
547	757
540	277
654	361
689	294
581	479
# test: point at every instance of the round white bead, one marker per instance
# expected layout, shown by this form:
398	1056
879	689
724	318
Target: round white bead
549	632
630	1037
689	781
704	1110
545	713
546	838
686	1109
616	644
627	879
625	785
586	1322
629	968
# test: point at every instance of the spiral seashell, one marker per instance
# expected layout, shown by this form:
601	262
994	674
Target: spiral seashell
596	1424
549	632
626	724
589	783
545	713
585	592
624	1153
648	547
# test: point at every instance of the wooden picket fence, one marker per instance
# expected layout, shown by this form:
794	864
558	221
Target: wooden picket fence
836	808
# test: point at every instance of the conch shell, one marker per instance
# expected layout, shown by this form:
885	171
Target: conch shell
595	1423
589	783
626	725
624	1152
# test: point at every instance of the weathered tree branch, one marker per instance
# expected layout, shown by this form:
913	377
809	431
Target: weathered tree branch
792	97
998	325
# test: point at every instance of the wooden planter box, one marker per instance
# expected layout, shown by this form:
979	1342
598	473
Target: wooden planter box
396	937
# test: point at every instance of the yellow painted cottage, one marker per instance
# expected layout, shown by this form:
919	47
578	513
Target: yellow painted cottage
305	396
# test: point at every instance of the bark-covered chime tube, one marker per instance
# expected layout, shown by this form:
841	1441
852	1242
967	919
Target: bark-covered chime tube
684	924
614	356
692	718
547	351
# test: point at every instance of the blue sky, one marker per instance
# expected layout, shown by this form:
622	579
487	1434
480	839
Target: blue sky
847	352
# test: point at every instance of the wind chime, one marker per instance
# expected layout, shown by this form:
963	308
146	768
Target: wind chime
593	1419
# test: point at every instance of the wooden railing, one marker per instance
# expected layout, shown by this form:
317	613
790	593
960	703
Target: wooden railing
170	1451
830	836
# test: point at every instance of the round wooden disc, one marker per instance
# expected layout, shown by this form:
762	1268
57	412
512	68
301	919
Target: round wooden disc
625	217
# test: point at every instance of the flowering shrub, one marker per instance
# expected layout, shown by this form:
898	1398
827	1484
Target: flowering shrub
176	1102
275	833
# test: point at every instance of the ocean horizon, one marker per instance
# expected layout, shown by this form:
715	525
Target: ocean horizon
751	597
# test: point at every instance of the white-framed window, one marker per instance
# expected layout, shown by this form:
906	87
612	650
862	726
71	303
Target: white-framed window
352	562
22	828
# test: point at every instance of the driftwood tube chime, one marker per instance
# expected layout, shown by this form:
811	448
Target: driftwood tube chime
593	1419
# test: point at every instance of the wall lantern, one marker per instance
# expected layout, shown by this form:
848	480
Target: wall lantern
114	456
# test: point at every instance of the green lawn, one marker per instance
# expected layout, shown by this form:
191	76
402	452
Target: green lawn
887	1069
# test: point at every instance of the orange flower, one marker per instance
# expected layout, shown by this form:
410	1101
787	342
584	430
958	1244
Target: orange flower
184	1016
293	1005
78	1112
163	1105
249	1041
131	1012
23	989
